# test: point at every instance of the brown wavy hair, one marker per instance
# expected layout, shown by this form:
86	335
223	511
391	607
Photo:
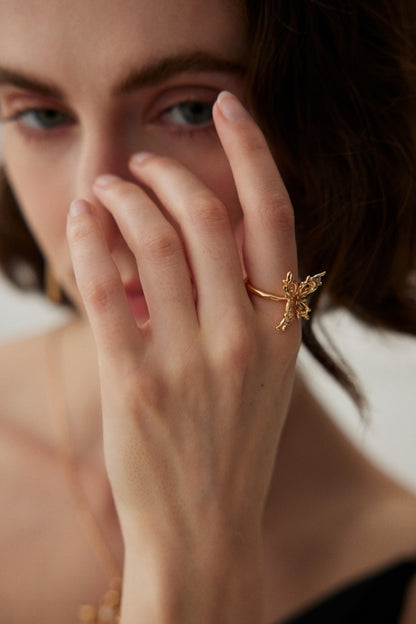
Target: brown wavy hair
333	85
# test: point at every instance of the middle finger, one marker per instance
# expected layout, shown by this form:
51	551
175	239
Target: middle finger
207	232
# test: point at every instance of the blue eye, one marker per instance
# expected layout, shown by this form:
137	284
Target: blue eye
192	113
41	118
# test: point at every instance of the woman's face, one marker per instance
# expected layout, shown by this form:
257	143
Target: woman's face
84	85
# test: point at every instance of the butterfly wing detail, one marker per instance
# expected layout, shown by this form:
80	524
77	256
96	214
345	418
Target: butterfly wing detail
296	298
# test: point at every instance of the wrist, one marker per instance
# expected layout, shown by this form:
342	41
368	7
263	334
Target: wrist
188	581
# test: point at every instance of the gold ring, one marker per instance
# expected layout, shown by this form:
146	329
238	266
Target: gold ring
295	295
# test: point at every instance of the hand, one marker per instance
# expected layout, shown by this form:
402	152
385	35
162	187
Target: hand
193	401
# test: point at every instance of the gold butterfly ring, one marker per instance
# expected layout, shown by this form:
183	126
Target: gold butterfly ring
295	295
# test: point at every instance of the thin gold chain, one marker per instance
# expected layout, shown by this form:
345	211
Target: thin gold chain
58	411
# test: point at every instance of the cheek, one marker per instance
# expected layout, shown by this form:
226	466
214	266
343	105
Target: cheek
39	193
41	214
38	186
42	201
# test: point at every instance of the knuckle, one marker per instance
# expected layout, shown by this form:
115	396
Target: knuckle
238	349
100	293
277	211
209	210
161	244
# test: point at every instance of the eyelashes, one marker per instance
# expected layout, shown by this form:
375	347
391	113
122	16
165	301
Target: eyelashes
41	118
193	113
186	116
38	118
39	123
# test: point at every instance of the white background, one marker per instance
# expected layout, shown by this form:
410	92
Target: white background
384	363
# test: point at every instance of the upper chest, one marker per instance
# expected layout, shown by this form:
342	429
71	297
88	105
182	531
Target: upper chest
49	566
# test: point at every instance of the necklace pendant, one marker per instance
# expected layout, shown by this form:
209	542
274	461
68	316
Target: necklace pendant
108	611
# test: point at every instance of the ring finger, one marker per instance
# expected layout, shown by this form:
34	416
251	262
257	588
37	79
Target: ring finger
269	229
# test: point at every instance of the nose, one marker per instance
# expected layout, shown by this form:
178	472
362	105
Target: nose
101	151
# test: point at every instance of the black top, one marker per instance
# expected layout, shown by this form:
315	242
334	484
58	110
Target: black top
377	598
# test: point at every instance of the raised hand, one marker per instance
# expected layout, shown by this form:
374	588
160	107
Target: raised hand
194	400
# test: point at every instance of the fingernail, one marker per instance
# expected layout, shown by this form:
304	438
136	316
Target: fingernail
78	206
231	107
105	180
140	157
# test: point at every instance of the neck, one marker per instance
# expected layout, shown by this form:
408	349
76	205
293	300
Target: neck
315	462
77	378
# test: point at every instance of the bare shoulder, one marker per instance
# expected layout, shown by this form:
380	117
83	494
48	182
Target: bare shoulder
21	391
400	512
392	519
17	360
16	348
22	388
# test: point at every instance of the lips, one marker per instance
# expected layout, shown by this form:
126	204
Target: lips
136	298
133	287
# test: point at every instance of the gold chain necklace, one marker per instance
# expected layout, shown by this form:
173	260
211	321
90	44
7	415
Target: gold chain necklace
108	611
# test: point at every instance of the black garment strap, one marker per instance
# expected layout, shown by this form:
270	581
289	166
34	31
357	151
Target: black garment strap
377	598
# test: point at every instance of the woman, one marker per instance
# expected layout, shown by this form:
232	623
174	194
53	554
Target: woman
164	429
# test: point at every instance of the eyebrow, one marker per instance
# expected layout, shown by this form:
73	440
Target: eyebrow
151	74
22	80
163	69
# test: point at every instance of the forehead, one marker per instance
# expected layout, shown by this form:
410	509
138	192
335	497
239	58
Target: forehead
77	40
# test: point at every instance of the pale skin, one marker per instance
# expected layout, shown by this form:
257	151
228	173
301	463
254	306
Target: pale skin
211	457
